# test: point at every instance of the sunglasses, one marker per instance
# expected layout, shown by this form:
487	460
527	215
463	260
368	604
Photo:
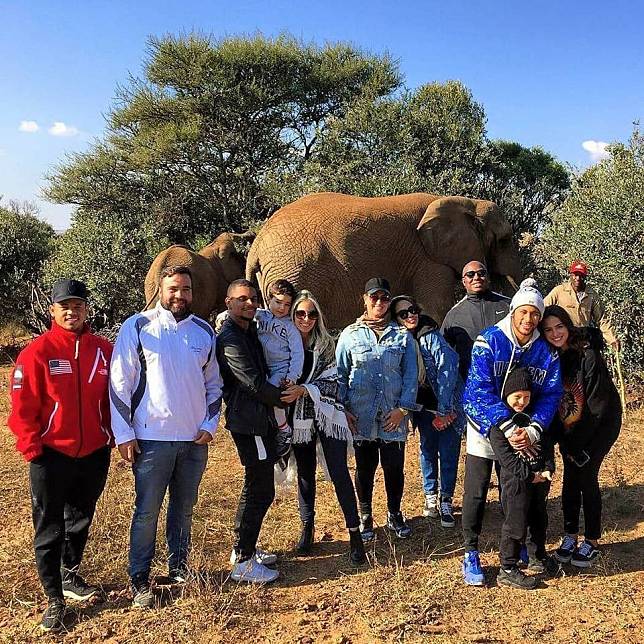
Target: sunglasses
301	314
403	314
385	297
470	274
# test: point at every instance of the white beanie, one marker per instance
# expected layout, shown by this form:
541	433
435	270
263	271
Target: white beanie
527	295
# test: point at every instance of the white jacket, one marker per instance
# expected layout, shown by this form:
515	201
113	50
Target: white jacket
164	378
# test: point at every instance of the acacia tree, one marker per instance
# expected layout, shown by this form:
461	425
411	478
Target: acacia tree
602	223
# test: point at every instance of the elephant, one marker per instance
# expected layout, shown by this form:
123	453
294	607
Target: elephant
213	268
333	243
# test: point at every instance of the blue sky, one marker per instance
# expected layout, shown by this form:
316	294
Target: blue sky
553	73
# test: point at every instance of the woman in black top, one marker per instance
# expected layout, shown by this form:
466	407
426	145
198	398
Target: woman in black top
318	417
588	423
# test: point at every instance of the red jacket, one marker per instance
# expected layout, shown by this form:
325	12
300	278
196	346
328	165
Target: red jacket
59	394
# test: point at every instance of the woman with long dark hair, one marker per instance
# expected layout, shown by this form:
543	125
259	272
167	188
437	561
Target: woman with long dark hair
588	423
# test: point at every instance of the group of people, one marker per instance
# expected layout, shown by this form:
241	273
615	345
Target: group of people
516	376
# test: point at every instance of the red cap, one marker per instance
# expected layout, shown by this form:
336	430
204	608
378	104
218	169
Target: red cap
578	267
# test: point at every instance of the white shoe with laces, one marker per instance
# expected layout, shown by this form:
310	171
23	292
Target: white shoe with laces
251	572
261	556
430	509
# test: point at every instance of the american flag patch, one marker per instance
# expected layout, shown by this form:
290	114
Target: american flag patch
57	367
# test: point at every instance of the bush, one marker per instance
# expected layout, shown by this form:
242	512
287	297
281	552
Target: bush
602	223
111	259
25	244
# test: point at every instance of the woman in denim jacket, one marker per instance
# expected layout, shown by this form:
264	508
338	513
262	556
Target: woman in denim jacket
378	382
441	420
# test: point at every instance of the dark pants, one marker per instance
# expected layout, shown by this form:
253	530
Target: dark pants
478	471
538	520
392	458
581	486
257	455
64	492
335	455
515	499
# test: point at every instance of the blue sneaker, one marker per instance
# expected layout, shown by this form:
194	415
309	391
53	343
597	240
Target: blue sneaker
472	571
523	555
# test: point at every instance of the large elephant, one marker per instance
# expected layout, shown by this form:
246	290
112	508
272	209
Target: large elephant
332	243
213	268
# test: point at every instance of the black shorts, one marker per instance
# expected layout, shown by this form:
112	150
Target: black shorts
253	449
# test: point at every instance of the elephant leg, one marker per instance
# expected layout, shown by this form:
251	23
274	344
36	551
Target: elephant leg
434	287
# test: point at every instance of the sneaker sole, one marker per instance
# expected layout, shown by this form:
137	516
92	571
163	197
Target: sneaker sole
474	583
510	584
70	594
448	524
399	536
582	564
562	559
432	514
246	580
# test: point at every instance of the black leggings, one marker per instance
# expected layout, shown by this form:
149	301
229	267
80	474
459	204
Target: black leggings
581	487
335	455
392	458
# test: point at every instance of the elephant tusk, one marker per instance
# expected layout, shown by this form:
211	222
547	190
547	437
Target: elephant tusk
513	284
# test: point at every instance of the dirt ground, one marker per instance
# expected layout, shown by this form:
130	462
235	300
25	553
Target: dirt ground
409	591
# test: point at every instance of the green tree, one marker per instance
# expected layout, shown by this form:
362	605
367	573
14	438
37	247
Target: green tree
188	148
602	223
25	244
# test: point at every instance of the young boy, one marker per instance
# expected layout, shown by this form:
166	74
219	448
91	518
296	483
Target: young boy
525	482
283	349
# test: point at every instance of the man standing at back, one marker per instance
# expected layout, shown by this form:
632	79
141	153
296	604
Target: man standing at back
582	304
165	395
250	399
479	309
60	414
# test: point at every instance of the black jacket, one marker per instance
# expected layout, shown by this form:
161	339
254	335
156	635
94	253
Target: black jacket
590	411
467	318
248	396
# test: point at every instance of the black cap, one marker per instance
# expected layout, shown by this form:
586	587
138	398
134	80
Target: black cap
377	284
67	290
517	380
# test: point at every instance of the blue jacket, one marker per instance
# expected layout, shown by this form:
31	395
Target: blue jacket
376	375
496	351
442	375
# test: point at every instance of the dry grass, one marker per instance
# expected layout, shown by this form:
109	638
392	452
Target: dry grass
410	591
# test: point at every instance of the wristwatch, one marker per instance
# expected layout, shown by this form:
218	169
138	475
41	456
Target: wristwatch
404	412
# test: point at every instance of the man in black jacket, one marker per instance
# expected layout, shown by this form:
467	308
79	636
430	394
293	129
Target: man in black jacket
479	309
249	399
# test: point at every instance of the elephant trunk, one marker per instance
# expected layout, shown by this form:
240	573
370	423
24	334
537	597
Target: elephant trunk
513	284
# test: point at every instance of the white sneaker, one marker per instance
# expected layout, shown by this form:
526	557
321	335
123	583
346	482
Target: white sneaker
430	509
261	557
253	573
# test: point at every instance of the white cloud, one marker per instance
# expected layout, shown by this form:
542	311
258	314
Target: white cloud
596	149
61	129
28	126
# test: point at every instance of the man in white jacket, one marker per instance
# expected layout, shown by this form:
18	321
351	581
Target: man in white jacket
165	398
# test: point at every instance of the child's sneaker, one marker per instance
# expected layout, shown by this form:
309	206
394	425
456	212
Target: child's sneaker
472	571
565	551
397	524
585	555
366	528
547	565
430	509
251	572
447	514
515	578
283	440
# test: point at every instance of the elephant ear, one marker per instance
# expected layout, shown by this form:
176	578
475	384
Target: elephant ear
496	229
451	232
222	251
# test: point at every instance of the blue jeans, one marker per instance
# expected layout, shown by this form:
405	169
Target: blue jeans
435	447
176	466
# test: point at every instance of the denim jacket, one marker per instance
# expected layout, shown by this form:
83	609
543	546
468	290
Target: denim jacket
376	375
442	375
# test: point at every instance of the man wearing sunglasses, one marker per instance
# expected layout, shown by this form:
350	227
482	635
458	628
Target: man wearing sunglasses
480	308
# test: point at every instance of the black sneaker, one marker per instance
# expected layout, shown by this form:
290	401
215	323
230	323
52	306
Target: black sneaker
53	619
585	555
283	441
75	587
565	551
142	595
447	513
366	528
515	578
180	576
396	523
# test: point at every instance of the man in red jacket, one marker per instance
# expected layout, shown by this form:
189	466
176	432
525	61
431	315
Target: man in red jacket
60	414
